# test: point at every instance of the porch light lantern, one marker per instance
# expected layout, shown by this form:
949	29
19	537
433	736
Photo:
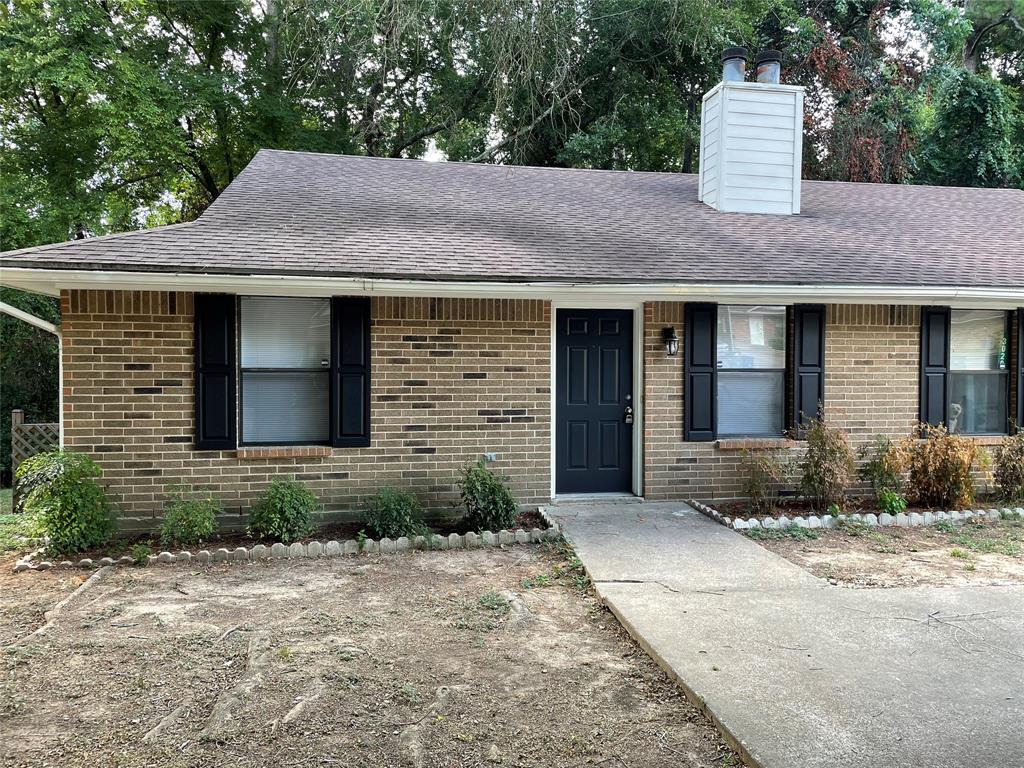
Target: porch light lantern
671	341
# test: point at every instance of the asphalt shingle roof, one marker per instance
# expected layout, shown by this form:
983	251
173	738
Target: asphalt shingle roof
338	215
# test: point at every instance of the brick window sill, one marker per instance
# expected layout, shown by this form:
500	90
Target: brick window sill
284	452
755	443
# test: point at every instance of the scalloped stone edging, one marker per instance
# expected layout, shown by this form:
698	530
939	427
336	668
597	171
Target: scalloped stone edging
901	520
333	548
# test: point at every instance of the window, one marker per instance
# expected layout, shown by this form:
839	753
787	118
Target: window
978	371
285	370
751	371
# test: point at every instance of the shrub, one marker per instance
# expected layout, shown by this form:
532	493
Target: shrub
1009	470
763	472
284	513
891	502
140	554
393	513
63	489
881	466
489	504
827	466
189	517
939	467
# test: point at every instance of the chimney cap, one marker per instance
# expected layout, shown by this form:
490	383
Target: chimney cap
734	53
768	55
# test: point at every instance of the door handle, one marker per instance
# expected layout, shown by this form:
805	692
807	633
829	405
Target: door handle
628	415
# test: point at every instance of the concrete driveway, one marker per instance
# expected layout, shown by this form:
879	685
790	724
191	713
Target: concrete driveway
799	673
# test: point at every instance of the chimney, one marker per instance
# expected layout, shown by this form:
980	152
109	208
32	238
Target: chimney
751	139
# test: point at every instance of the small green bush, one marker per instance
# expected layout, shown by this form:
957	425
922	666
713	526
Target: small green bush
762	474
140	554
284	513
489	504
891	502
189	517
1009	471
880	466
393	513
63	489
827	466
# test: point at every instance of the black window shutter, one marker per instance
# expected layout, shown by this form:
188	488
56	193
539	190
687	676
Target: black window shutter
934	364
215	371
1020	368
700	372
808	362
350	372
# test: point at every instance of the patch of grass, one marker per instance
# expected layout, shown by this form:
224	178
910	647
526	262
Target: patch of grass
1006	538
970	567
570	570
944	526
14	529
6	500
853	527
777	534
959	553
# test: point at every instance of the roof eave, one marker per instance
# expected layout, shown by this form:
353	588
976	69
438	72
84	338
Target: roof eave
52	281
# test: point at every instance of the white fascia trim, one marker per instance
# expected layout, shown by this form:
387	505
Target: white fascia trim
51	281
38	322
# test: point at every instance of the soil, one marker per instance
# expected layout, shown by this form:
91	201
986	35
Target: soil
232	539
989	553
457	658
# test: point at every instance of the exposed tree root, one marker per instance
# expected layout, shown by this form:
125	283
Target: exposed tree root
53	614
411	739
154	733
227	703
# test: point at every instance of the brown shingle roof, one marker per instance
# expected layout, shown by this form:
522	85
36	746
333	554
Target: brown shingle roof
338	215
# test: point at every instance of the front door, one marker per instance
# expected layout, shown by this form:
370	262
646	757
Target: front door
594	409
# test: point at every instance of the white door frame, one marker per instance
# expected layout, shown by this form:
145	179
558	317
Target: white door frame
637	308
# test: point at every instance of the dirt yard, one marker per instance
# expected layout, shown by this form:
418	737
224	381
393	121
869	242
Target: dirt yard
974	553
478	658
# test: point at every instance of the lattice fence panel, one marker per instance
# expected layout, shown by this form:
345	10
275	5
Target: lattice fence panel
29	439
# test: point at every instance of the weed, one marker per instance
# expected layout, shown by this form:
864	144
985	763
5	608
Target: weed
407	694
540	580
793	532
284	652
853	527
970	567
140	554
944	526
958	553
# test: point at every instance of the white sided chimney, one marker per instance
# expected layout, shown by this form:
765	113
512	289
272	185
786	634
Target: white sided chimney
751	138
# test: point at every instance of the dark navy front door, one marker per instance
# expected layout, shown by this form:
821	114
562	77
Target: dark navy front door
594	408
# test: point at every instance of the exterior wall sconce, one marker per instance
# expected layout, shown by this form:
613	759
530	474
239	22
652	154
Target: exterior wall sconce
671	341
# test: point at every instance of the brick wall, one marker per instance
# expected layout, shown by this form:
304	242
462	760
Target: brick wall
451	379
871	387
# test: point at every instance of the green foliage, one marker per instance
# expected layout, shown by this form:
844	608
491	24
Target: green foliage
28	365
1009	467
63	489
891	502
827	465
189	517
880	466
140	554
972	139
489	504
393	513
15	530
762	474
284	513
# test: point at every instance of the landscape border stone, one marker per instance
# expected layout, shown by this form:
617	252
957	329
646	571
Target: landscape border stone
900	520
33	561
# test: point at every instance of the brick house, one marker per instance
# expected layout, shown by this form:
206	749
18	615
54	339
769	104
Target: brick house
360	322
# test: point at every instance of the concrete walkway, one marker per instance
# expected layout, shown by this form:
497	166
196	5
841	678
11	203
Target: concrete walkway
801	674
